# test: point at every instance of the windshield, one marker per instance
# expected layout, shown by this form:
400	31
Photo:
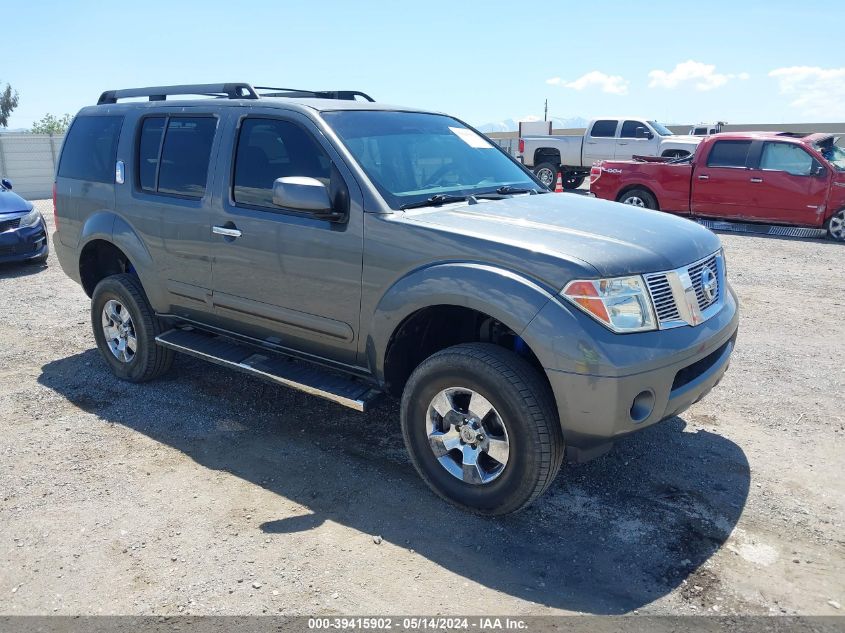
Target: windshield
411	156
834	153
661	129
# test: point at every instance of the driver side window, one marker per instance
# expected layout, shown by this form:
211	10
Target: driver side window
629	129
787	157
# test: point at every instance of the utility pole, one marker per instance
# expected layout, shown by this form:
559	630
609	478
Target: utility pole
546	111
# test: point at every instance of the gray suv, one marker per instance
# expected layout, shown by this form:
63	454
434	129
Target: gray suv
348	249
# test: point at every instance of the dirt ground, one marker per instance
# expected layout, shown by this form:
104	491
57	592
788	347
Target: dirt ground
211	492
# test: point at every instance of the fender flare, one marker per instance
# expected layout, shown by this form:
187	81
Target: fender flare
502	294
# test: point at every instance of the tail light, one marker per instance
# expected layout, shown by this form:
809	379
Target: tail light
521	146
595	172
55	214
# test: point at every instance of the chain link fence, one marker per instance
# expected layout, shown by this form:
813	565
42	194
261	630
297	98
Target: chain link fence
29	162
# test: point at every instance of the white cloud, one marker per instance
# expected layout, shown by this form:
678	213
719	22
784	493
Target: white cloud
818	92
703	75
613	84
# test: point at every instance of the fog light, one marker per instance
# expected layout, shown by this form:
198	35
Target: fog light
642	406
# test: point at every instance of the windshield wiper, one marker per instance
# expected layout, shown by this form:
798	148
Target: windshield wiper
510	189
433	201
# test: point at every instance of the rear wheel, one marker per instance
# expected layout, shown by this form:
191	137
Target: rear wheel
481	428
125	328
639	198
836	226
547	174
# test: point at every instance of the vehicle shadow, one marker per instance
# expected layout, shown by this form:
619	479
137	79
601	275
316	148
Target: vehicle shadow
608	537
15	270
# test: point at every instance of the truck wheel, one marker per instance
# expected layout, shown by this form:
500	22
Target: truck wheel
638	198
836	226
547	174
573	182
481	428
125	328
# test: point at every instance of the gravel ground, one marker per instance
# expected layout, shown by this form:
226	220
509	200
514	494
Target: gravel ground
212	492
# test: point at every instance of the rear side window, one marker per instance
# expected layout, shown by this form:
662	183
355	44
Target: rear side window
604	129
149	146
629	129
90	149
185	155
270	149
729	154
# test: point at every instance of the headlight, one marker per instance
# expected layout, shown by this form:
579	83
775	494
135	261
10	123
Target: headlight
622	304
30	219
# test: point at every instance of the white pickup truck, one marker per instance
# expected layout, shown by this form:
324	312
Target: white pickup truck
605	139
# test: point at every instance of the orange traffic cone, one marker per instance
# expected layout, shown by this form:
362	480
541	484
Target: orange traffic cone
559	183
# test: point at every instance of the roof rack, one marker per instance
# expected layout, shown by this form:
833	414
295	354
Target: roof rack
294	93
225	91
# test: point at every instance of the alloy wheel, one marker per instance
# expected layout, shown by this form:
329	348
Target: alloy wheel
119	331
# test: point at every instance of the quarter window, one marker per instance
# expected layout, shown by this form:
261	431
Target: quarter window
729	154
269	149
629	129
90	149
787	157
605	129
149	146
185	154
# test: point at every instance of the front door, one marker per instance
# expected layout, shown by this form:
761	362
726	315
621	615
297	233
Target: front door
628	145
284	275
791	186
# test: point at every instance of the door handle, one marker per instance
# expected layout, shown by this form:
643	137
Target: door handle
756	180
222	230
704	177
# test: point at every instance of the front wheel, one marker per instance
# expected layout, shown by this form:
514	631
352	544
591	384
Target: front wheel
481	428
125	328
638	198
836	226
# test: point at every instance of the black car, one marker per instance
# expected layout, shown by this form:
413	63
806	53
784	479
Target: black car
23	234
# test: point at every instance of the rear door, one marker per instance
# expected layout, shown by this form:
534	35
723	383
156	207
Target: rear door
627	145
790	185
599	141
169	201
721	185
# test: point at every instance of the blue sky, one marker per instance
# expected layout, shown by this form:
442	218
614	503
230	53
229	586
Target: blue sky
679	62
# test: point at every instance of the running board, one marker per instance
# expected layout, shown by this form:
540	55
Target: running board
762	229
284	370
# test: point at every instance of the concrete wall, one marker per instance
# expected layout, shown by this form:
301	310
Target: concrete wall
29	161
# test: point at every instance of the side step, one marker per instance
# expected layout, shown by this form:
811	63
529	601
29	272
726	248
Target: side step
298	374
762	229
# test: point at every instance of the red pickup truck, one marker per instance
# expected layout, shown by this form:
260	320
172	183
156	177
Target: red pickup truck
768	177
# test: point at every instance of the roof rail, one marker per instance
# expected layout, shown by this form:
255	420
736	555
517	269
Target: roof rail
160	93
346	95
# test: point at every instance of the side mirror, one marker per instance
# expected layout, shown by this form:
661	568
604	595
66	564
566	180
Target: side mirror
642	132
6	184
305	194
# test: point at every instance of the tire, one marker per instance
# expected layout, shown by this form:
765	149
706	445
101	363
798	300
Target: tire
835	226
522	412
547	171
573	182
128	307
639	198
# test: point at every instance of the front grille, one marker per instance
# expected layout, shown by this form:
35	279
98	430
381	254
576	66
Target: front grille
661	296
9	225
696	272
670	292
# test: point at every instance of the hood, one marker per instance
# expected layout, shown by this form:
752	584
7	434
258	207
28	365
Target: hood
11	202
613	238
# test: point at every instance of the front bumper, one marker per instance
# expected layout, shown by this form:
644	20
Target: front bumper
611	385
24	244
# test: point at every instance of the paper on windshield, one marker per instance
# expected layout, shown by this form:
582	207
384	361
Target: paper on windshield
470	138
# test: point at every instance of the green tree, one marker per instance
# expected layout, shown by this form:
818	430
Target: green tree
50	124
8	102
